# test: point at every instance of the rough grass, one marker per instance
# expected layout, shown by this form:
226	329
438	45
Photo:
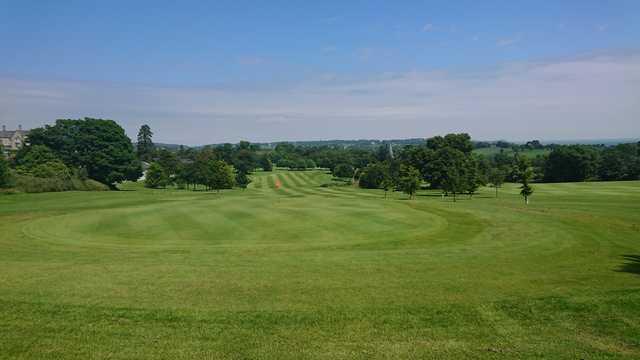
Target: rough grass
306	271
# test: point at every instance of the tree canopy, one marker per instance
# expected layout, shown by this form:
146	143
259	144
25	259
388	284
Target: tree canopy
99	146
145	145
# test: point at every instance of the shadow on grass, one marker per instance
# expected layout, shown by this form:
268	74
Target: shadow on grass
632	264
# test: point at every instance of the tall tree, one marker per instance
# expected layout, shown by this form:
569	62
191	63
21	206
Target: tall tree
100	146
450	167
145	144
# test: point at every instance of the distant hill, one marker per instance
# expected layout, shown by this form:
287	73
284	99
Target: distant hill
592	141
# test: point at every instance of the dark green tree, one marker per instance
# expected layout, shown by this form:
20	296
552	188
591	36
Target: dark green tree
245	160
145	145
168	160
343	171
571	163
621	162
450	170
30	156
5	177
242	180
265	163
99	146
373	176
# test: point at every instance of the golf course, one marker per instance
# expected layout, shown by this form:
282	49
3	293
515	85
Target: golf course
292	268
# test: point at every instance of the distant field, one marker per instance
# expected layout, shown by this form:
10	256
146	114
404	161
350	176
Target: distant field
304	271
494	150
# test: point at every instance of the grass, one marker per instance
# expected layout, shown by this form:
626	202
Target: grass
306	271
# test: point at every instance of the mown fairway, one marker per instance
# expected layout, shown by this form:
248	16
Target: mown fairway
311	272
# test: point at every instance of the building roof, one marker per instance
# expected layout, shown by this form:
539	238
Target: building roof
8	134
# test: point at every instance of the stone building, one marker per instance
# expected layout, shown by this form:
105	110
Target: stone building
12	139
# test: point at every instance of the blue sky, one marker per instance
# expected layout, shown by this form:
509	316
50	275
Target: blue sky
207	71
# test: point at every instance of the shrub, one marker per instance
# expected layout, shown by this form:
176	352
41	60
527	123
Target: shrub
32	184
51	169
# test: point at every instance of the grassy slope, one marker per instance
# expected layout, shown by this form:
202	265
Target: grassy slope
305	271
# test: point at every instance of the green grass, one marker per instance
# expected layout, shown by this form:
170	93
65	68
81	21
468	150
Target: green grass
311	272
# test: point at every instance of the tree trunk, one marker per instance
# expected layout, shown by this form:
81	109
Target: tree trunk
496	192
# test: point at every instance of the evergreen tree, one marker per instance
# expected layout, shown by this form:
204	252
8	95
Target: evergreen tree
145	146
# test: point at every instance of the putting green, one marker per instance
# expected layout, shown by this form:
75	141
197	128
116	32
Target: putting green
291	269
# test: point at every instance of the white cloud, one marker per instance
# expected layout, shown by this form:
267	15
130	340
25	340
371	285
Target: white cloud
586	97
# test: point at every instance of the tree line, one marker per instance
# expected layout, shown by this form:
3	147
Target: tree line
100	150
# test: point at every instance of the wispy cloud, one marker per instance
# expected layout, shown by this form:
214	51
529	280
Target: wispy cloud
508	41
585	97
427	27
602	27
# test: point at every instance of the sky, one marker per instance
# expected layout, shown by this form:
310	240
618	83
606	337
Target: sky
201	72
